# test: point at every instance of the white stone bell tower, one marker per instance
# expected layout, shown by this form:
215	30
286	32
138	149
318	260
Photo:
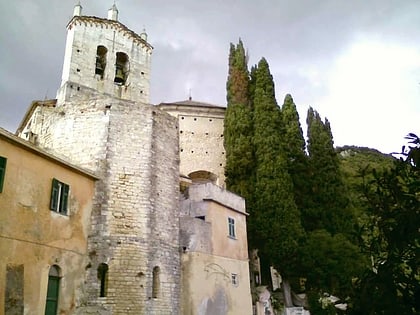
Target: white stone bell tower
104	56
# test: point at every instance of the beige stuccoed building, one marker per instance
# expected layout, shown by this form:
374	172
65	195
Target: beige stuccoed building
215	269
164	235
45	209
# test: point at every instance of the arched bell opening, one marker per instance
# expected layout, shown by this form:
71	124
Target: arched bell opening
101	52
121	68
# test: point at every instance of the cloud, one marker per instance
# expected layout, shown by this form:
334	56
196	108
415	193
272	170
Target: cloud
373	94
317	50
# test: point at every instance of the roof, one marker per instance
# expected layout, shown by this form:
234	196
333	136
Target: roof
192	103
26	145
109	23
31	109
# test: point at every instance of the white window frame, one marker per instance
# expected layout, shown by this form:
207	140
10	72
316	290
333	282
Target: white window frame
59	197
231	228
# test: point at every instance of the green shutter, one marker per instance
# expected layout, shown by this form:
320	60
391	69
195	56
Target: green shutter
64	198
54	194
3	161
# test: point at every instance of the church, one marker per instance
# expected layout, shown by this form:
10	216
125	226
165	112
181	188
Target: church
112	205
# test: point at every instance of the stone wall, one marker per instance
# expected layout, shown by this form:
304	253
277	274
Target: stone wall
201	139
84	35
133	148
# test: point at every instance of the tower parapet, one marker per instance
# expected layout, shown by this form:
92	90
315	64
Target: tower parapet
103	56
113	13
77	9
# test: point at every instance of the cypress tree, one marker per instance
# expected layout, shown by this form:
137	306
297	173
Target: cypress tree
276	215
238	125
328	206
327	220
252	83
294	146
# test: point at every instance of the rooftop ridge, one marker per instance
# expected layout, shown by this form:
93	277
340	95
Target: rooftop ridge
189	102
109	23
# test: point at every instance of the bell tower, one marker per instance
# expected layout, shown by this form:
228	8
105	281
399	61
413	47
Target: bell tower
103	56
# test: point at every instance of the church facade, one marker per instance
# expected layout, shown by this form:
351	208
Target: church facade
165	236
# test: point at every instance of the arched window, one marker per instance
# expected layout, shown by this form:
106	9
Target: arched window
156	282
100	61
202	177
103	278
122	68
53	290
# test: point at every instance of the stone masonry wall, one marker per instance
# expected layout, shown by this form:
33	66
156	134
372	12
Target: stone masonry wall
200	139
201	144
84	36
133	148
164	239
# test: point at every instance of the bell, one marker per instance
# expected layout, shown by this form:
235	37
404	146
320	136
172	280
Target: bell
119	76
98	69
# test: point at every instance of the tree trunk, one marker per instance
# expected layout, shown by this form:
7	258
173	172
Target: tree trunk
287	293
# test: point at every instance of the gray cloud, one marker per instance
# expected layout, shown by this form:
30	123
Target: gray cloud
300	39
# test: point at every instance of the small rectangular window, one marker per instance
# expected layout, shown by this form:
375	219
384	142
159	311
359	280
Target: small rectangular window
231	223
235	280
59	196
3	162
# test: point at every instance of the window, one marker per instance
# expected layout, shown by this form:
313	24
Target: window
103	278
231	223
100	61
156	282
59	196
235	279
53	290
3	161
121	68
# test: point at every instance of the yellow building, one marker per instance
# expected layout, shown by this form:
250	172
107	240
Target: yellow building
215	270
45	209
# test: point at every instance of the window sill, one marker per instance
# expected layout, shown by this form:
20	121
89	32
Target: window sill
66	215
232	237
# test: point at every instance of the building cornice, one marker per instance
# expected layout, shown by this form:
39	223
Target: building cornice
193	107
106	23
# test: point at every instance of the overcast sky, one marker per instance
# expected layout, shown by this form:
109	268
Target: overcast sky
355	62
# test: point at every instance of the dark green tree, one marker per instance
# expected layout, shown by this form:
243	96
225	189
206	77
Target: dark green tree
294	147
238	133
327	206
392	239
252	84
276	216
330	263
330	255
238	130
